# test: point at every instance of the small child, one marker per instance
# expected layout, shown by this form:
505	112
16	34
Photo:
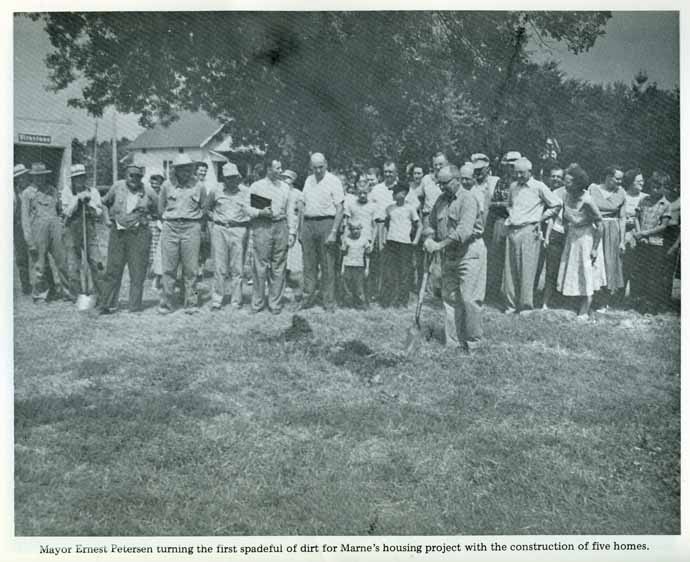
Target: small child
362	210
402	236
354	248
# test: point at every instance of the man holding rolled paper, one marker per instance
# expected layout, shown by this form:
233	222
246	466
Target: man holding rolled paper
273	228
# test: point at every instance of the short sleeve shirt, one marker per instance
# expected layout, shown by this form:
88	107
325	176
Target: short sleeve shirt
321	198
401	217
179	202
431	192
225	206
527	203
651	214
364	214
356	248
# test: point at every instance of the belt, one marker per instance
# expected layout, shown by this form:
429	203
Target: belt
230	224
323	218
270	219
182	220
519	226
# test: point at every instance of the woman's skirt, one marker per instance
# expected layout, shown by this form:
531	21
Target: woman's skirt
577	276
613	260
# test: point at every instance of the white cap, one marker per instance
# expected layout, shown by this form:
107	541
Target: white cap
77	170
230	170
183	160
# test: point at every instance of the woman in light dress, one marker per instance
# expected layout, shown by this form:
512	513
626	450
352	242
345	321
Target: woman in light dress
609	197
633	182
295	263
582	271
156	179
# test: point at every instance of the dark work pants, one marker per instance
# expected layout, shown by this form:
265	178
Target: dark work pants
130	248
353	286
395	282
319	256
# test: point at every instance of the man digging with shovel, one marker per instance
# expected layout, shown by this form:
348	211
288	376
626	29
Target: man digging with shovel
82	207
455	230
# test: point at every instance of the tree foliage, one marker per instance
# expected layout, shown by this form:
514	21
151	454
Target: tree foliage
361	87
83	153
356	86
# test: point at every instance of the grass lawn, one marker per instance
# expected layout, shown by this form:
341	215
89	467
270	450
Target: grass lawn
232	424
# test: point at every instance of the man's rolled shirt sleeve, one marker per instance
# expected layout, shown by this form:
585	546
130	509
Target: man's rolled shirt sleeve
553	204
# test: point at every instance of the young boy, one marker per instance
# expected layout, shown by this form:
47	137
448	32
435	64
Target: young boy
354	248
363	211
402	236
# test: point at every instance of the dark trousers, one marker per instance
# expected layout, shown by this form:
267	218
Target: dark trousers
495	239
319	256
418	268
552	259
373	284
395	283
353	286
130	248
21	259
653	278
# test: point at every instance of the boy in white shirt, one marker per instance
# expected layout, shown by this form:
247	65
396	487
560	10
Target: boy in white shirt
402	235
354	248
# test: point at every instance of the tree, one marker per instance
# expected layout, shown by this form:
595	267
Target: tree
404	83
82	153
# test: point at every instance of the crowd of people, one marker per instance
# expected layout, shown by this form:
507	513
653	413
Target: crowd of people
358	237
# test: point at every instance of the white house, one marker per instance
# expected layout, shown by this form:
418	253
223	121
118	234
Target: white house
204	138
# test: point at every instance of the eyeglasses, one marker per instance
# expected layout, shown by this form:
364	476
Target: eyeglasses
556	177
137	176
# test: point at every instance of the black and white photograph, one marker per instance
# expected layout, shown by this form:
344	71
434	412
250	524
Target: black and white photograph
346	274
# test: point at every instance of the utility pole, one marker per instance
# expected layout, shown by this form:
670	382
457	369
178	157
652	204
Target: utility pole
114	143
95	155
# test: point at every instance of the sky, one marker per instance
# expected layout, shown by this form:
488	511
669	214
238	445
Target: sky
634	41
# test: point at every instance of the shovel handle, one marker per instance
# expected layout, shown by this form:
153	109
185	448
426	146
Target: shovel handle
422	290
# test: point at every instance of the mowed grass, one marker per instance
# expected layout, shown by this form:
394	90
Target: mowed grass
235	424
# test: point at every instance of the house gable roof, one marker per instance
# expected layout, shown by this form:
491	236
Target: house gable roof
192	129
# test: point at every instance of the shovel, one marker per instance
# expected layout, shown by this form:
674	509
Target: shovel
85	300
414	332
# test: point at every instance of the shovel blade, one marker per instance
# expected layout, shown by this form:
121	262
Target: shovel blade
413	339
86	302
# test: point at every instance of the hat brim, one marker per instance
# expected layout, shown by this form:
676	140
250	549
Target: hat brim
42	173
77	175
17	174
185	165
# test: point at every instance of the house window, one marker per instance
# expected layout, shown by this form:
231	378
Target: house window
180	150
143	151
